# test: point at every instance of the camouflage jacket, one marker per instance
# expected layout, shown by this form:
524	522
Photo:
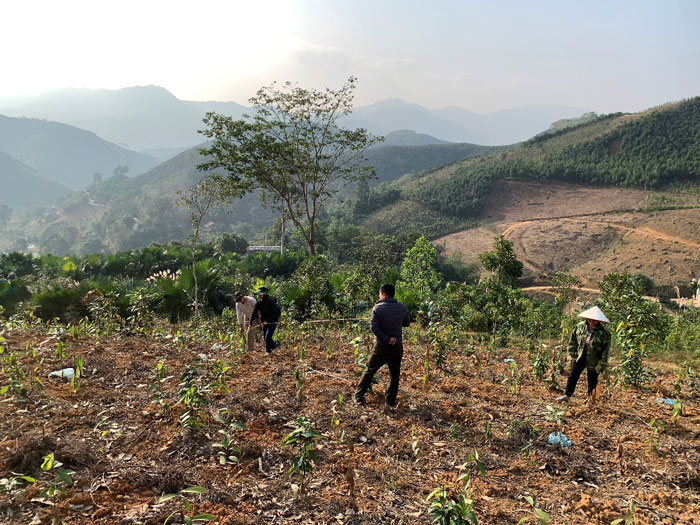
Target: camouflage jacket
597	356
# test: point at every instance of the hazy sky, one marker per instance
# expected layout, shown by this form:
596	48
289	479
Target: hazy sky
608	55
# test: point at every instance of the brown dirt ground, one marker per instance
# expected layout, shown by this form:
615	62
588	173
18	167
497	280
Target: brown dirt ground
587	232
126	453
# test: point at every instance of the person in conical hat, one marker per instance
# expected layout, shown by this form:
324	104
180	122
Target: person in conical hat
589	348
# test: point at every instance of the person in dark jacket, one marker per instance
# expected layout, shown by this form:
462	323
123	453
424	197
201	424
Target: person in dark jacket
267	313
388	318
588	348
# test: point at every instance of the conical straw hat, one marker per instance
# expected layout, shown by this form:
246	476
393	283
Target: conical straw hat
594	313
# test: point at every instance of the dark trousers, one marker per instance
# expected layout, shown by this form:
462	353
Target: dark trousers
389	355
576	371
268	330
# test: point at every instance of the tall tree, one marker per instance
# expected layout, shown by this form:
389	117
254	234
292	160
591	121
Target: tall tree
208	193
292	148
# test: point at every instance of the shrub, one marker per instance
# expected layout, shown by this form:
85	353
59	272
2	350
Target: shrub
11	294
272	264
64	303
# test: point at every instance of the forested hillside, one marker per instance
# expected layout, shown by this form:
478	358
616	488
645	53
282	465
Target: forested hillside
23	187
65	154
650	150
120	213
392	162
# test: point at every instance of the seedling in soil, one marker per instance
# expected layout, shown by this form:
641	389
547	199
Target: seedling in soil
487	431
630	516
513	377
542	517
75	380
187	505
229	453
15	482
524	428
62	478
556	416
456	431
447	511
477	462
61	352
220	370
304	438
193	398
155	388
426	364
415	444
335	419
14	374
655	427
539	359
299	377
677	411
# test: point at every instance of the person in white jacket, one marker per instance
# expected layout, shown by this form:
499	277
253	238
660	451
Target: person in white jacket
244	309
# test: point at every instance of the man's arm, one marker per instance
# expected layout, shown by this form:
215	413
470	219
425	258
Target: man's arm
573	343
239	314
254	315
376	327
406	319
603	363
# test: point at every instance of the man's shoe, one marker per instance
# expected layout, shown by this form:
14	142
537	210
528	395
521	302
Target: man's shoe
390	409
563	399
359	402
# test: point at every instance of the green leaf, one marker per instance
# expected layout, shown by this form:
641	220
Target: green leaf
204	517
543	516
194	490
65	476
48	463
433	493
166	497
529	500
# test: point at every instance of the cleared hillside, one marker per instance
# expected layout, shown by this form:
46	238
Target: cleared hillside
589	231
648	150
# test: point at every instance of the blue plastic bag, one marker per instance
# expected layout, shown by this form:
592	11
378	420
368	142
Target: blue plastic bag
559	438
666	400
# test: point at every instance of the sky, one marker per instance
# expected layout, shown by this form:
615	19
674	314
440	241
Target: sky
602	55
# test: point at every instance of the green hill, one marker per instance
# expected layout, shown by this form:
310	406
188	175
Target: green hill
23	187
65	154
650	150
392	162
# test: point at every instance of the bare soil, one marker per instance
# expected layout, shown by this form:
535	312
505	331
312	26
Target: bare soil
127	452
587	231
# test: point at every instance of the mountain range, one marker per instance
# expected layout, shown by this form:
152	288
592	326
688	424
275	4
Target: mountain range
152	120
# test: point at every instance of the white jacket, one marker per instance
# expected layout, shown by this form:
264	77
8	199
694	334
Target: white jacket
245	309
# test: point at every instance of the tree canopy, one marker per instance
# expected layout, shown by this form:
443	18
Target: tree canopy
501	260
292	148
